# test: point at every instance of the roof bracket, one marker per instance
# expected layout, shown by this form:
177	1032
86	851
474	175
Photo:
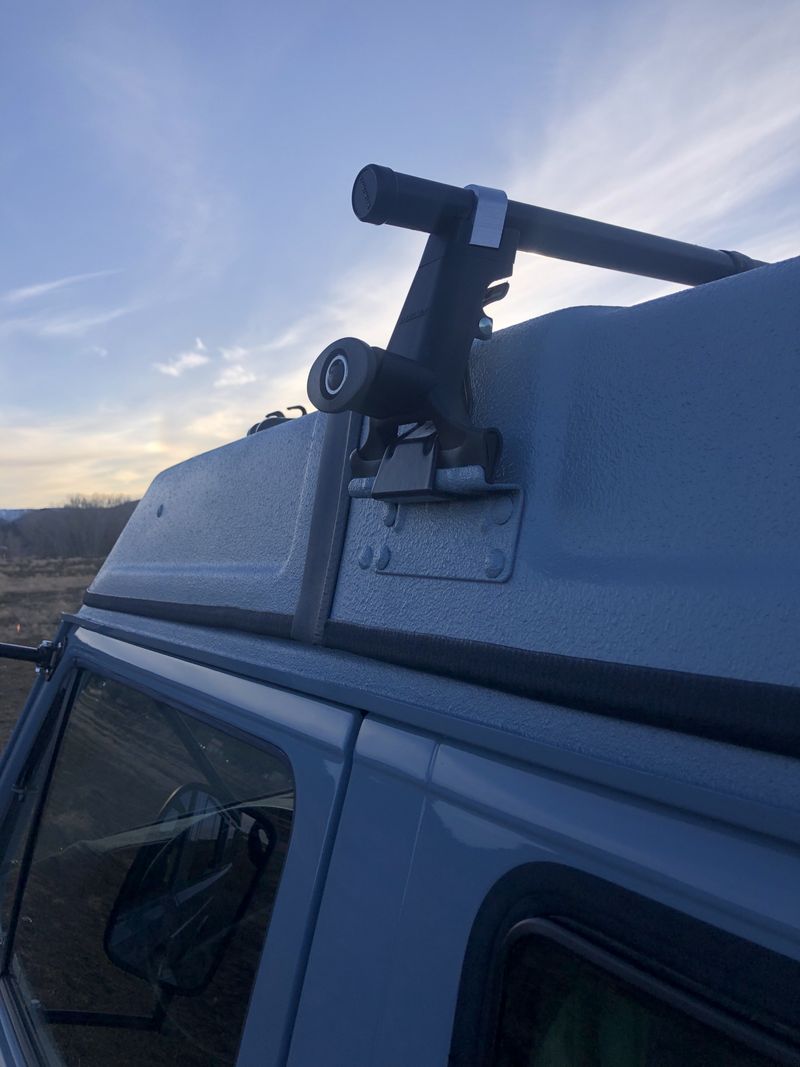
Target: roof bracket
416	392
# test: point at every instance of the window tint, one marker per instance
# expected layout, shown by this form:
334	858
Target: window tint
558	1009
151	882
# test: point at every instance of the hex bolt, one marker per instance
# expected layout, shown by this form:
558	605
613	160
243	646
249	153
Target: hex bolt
365	557
390	514
494	563
502	509
382	562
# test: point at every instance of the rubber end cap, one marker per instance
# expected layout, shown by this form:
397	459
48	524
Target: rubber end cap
374	192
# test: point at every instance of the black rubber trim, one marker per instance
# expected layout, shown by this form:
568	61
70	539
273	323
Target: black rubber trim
327	529
756	715
743	978
269	623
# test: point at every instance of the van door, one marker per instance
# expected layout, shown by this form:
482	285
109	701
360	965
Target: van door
165	840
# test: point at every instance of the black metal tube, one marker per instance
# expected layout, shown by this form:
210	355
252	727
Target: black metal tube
382	195
25	652
599	244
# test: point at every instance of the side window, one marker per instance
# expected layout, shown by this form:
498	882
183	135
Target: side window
560	1008
564	969
144	896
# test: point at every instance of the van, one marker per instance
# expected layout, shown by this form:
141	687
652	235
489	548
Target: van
456	723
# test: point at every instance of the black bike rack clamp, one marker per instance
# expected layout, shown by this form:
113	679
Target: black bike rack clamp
415	392
420	442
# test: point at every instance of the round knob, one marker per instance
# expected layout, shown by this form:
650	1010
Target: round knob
342	375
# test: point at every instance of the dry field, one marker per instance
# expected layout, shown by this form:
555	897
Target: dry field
33	593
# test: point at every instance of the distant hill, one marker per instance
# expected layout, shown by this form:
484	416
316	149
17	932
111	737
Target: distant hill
68	532
9	514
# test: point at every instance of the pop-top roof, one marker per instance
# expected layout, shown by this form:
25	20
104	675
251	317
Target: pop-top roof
652	456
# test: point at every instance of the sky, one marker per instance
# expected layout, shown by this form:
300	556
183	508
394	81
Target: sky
175	209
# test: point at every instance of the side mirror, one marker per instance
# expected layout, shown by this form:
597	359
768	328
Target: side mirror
186	889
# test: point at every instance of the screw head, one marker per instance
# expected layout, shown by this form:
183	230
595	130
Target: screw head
502	509
390	514
494	563
365	557
382	562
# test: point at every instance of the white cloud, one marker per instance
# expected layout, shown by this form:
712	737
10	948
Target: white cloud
81	322
670	140
174	368
184	361
675	118
31	292
73	324
236	374
235	352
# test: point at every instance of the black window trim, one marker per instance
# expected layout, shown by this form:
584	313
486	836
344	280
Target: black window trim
603	923
44	751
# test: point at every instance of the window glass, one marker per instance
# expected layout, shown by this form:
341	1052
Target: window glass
560	1010
152	879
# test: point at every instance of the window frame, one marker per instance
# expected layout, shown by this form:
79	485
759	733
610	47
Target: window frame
41	758
584	914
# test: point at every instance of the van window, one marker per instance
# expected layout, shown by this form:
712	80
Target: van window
559	1009
565	969
145	895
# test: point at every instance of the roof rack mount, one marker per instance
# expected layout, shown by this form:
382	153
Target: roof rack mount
420	443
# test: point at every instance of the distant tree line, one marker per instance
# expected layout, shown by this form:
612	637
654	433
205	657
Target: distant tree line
84	526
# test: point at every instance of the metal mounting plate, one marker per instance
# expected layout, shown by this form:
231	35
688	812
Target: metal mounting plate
469	540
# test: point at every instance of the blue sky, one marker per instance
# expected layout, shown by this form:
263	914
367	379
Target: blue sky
176	178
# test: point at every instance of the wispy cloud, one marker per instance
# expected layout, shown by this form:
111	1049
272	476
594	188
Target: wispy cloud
31	292
234	375
149	125
76	323
184	361
236	353
676	146
659	133
682	119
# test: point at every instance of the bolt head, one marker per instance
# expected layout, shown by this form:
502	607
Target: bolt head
494	563
365	557
502	509
382	562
